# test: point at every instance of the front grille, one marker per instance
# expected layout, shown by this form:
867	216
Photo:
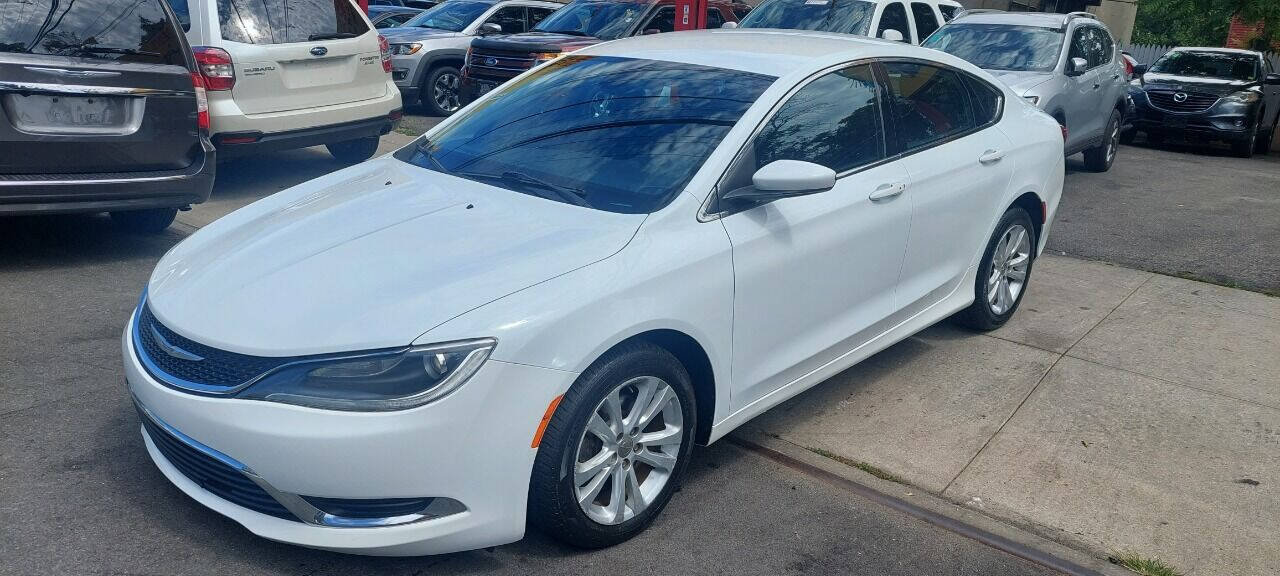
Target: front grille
216	369
213	475
1195	101
504	65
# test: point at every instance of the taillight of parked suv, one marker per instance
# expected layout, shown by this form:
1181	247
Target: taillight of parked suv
215	67
386	53
202	102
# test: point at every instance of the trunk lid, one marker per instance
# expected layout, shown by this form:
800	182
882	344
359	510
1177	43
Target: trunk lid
282	77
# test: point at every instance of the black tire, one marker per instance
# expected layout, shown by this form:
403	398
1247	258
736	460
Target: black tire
437	104
354	151
1264	143
150	221
1128	137
553	505
1101	157
1244	148
980	315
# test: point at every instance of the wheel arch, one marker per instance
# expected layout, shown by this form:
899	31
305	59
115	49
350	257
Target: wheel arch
441	58
695	360
1035	207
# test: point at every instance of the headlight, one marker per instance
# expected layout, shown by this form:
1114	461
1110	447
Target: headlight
540	57
376	382
405	49
1034	100
1244	97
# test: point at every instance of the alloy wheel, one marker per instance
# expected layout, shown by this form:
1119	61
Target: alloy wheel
1009	265
1113	143
445	92
628	451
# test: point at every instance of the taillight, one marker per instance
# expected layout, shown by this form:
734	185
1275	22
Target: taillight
1064	131
215	66
386	53
202	102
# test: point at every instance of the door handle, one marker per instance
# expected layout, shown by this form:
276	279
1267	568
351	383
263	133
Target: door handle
990	157
887	191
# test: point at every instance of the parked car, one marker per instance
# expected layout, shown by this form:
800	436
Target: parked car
533	312
1064	64
101	116
492	61
1212	94
888	19
280	79
391	16
428	52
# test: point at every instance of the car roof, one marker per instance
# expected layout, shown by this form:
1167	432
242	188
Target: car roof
1216	49
1044	19
761	51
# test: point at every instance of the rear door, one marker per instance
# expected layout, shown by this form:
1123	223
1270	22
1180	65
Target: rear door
80	93
294	54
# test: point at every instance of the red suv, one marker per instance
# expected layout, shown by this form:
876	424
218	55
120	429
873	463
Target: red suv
492	61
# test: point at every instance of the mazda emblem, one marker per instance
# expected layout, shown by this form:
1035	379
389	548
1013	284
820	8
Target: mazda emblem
1180	97
319	51
490	61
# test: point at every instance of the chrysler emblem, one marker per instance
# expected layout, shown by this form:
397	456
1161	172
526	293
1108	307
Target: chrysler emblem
319	51
490	61
1180	97
170	349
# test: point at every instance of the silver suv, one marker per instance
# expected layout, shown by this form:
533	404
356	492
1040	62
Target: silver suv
1065	64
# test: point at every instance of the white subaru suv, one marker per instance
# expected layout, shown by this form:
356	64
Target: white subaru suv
283	74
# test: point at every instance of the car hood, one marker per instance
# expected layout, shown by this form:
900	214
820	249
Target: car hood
1021	81
537	42
1215	86
403	34
369	257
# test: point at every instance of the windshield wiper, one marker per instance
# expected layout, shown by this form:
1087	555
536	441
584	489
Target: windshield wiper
115	50
424	148
331	36
568	194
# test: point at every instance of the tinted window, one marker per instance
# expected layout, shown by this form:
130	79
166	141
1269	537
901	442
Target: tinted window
948	12
986	100
284	21
894	17
1208	64
510	18
1088	42
1000	47
714	19
182	11
453	15
616	134
844	16
929	104
604	20
68	28
664	20
537	15
1108	47
926	22
833	121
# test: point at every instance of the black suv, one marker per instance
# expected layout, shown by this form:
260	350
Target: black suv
1211	94
100	111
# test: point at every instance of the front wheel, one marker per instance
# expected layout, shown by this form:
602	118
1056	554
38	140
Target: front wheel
615	449
354	151
442	91
1244	148
1101	157
1003	273
151	221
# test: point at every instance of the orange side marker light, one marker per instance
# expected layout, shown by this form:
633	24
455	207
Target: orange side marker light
546	419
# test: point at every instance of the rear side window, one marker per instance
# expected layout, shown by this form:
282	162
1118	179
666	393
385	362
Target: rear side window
985	98
926	22
141	33
285	21
714	19
929	104
833	121
536	15
894	17
664	20
510	18
948	12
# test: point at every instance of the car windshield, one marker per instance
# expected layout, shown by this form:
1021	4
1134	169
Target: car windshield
1209	65
1000	46
616	134
83	30
453	15
604	20
844	16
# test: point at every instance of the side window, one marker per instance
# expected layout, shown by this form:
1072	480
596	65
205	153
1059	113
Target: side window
510	18
664	20
714	19
536	15
183	12
894	17
1088	43
986	100
928	104
926	22
948	12
1079	44
1106	48
833	121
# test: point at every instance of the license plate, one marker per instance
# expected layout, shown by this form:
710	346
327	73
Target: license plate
483	88
1175	121
41	113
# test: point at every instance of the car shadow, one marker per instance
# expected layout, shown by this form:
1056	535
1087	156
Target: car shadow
68	240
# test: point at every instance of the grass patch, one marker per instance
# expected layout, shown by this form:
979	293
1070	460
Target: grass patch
863	466
1144	566
408	130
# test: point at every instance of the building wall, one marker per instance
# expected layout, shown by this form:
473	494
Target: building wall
1119	16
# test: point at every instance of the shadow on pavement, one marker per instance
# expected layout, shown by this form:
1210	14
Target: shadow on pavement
62	241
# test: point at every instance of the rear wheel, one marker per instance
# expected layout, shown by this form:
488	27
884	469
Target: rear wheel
354	151
1003	273
615	449
151	221
442	91
1101	157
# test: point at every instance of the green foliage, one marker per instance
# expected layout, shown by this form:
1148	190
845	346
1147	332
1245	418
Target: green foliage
1201	22
1144	566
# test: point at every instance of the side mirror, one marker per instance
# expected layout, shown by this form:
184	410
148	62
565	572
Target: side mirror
1076	66
490	28
784	179
892	35
729	25
1139	69
1272	79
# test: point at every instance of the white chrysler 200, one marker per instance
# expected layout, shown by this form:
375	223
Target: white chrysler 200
533	312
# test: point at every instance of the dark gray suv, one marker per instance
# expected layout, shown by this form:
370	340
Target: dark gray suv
1065	64
100	112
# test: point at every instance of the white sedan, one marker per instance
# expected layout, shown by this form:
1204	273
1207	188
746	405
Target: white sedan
530	315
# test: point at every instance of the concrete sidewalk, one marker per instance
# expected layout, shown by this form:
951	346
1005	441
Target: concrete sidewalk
1118	411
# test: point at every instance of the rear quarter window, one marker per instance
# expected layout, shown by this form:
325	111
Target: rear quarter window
140	31
286	21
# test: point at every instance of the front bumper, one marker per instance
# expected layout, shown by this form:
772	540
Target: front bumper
1222	121
68	193
472	448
